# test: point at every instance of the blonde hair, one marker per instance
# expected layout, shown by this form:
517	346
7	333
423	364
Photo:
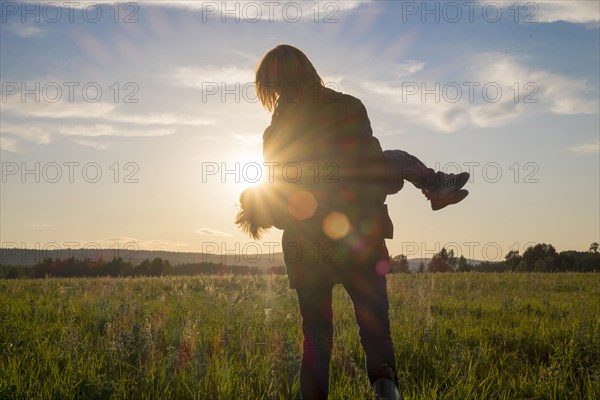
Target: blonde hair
279	68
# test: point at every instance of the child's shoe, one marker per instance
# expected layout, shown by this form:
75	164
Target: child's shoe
448	191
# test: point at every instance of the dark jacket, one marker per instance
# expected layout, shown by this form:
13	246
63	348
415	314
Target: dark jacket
327	167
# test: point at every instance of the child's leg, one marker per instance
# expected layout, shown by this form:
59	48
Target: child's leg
405	166
440	188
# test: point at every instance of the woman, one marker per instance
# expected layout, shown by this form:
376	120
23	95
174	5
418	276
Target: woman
327	168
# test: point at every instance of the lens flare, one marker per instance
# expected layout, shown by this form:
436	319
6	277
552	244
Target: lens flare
336	225
302	205
383	267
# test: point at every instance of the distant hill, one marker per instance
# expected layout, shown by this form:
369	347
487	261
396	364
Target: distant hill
32	257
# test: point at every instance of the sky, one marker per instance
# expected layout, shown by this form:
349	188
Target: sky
134	125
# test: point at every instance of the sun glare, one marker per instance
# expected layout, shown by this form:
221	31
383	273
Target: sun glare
245	171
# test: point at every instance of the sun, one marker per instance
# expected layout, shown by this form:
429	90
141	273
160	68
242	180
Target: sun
246	170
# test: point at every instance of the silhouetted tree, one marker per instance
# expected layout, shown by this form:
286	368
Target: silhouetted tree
116	267
399	263
13	273
443	261
540	258
462	265
512	260
142	269
159	267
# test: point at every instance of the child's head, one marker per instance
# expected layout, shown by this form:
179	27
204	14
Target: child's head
259	207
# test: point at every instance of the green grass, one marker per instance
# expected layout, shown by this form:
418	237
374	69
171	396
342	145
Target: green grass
457	336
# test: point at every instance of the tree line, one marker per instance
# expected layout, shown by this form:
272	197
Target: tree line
541	257
117	267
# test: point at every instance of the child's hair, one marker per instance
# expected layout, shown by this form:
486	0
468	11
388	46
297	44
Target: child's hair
280	67
260	208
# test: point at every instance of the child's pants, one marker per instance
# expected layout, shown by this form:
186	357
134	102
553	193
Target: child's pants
404	166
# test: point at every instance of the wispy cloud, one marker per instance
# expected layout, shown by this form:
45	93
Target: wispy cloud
247	139
8	144
565	95
408	68
587	148
211	232
249	10
445	104
198	5
86	110
93	144
126	244
24	30
43	134
60	109
579	12
161	119
27	132
111	130
542	11
207	76
547	11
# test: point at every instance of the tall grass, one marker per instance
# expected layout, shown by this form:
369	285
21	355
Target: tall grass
457	336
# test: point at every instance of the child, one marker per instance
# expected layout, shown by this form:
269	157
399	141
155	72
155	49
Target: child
261	206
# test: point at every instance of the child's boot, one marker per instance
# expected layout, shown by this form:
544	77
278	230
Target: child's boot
447	190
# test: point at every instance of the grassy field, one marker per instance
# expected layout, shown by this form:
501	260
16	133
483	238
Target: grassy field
457	336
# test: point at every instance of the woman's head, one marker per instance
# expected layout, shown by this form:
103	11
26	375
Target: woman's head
281	68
